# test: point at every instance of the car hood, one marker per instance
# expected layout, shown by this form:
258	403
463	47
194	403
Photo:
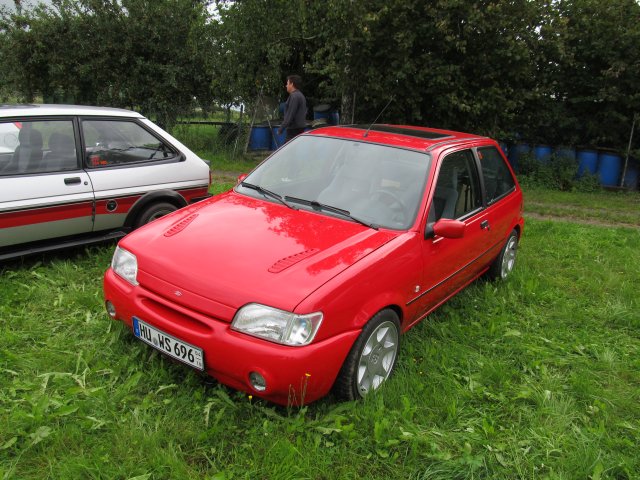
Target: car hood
235	250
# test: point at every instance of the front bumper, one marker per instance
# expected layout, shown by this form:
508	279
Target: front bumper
294	375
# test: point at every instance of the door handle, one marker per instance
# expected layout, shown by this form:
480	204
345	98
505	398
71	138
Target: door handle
72	180
485	225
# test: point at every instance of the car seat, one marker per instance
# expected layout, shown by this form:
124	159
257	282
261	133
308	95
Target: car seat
62	154
28	155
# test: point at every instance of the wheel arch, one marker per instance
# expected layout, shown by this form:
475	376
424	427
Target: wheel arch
170	196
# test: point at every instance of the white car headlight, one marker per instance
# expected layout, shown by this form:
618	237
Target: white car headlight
277	325
125	265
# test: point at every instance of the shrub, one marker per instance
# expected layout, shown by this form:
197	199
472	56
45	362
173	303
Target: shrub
559	173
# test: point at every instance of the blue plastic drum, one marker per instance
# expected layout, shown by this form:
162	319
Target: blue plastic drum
609	168
542	153
260	138
277	140
587	162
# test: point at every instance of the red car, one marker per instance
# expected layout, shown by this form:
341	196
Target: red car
303	277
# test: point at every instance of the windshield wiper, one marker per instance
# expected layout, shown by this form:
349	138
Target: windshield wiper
267	193
340	211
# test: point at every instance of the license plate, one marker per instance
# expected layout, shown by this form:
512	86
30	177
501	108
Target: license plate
168	344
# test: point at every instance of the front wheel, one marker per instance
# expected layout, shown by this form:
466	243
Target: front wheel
503	265
372	357
155	211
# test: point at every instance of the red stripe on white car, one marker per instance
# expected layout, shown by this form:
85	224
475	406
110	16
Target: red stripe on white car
46	214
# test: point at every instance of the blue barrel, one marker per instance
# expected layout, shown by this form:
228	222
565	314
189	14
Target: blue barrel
631	175
565	152
334	117
587	162
278	139
516	152
542	153
260	138
322	111
609	168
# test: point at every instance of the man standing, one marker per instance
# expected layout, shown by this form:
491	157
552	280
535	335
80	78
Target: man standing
295	112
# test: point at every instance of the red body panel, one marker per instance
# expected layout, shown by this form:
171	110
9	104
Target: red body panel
198	266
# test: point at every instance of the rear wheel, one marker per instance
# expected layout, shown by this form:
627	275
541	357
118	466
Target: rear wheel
372	357
503	265
155	211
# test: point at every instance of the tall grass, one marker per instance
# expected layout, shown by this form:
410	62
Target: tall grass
223	147
536	377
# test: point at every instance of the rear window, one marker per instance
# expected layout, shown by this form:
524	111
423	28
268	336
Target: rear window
42	146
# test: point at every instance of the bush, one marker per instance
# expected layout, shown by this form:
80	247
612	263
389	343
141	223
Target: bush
559	173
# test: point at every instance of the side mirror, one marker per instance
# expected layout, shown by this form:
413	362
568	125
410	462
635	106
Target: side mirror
449	228
241	177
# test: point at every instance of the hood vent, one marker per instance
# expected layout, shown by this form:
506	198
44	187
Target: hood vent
181	225
286	262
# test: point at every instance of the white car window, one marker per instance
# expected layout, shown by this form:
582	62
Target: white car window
113	142
37	147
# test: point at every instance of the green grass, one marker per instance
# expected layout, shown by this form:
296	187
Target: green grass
603	206
220	149
536	377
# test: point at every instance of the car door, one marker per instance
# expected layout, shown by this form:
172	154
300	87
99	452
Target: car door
499	185
44	194
451	263
124	161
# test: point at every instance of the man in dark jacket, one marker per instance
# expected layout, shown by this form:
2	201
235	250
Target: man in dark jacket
295	112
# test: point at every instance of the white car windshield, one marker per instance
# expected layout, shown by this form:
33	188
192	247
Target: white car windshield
373	184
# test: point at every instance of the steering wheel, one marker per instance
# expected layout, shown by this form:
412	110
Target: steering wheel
397	206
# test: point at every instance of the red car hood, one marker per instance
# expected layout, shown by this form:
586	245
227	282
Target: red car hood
235	250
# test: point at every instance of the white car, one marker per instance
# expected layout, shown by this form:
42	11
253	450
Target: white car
71	175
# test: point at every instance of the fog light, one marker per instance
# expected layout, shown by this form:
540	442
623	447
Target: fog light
257	381
111	309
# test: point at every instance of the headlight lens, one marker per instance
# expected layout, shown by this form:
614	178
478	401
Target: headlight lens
277	325
125	264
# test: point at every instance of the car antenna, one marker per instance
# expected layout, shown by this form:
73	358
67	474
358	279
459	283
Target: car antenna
381	112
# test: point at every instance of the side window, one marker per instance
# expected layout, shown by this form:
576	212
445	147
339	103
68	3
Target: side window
118	142
40	146
497	177
457	190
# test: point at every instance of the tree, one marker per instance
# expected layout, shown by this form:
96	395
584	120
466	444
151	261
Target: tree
148	55
598	82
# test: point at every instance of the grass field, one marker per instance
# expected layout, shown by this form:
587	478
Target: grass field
538	377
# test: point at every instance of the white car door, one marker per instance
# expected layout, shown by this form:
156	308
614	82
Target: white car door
127	159
44	194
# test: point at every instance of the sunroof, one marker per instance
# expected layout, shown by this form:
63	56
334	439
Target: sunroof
404	131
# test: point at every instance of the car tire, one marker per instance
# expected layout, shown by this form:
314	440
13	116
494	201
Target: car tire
503	265
155	211
372	357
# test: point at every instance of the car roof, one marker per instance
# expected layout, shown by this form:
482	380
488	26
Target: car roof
19	110
411	137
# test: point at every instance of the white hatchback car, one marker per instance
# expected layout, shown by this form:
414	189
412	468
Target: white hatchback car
71	175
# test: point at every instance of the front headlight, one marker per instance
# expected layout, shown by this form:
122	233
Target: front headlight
277	325
125	265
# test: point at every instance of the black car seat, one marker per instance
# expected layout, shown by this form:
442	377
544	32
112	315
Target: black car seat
28	155
62	154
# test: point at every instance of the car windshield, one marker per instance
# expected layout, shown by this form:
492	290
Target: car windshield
376	185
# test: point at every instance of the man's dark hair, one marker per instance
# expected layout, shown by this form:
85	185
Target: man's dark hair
296	80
